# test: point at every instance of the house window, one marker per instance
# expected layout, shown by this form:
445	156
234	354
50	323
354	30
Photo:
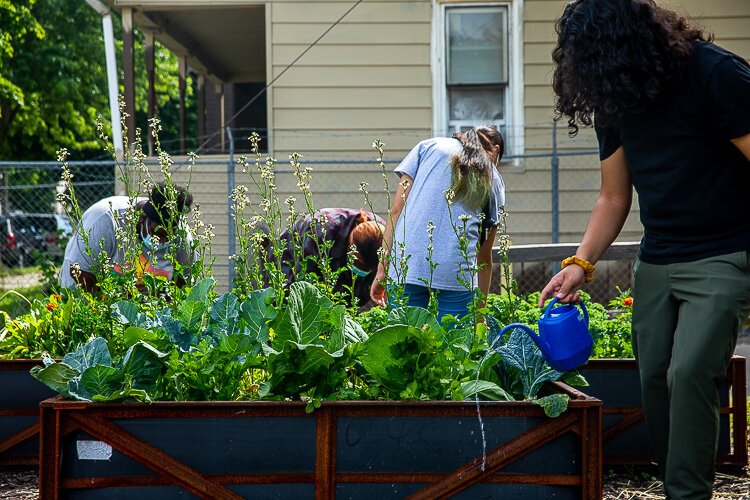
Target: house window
475	70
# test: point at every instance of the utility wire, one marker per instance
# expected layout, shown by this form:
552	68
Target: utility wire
287	68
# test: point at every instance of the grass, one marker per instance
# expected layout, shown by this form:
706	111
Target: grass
14	305
17	271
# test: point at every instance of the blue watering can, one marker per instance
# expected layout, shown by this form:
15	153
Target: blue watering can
564	337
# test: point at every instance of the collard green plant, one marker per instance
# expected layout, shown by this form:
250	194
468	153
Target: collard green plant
310	350
523	362
89	374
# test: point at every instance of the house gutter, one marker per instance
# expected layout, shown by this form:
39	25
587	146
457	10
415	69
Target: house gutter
109	50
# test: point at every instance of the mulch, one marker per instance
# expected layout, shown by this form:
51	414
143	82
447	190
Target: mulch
622	483
640	483
18	483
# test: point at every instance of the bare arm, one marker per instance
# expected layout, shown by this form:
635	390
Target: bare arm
86	280
743	144
604	225
377	291
484	259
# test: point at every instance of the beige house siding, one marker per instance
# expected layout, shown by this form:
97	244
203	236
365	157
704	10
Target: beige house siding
370	77
529	190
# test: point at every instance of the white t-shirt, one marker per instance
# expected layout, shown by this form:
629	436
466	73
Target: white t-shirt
100	224
429	164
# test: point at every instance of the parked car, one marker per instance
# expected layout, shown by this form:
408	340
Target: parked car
30	237
10	251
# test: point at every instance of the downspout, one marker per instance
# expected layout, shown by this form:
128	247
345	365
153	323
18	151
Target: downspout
109	50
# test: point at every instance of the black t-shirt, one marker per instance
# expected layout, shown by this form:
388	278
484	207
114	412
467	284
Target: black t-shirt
693	184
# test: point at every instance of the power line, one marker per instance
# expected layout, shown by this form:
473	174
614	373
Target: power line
287	68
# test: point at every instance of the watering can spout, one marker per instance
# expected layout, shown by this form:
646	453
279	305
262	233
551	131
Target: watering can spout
540	343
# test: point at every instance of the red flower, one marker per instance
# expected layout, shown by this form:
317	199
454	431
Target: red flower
627	301
52	306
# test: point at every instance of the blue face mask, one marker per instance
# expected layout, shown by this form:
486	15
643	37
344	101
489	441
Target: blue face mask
151	245
359	272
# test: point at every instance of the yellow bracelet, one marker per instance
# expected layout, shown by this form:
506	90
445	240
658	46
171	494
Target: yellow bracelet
588	267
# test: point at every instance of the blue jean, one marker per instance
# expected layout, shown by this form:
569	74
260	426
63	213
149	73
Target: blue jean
453	302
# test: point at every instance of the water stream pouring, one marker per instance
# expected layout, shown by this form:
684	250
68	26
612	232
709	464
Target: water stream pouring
564	337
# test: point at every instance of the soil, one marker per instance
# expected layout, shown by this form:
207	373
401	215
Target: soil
623	483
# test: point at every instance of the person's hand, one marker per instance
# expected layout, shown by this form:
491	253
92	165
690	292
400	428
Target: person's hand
377	290
564	285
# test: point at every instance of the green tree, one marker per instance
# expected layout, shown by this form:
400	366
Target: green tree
57	77
53	81
53	86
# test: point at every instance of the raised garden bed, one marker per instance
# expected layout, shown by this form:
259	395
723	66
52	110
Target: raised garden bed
625	438
19	412
353	449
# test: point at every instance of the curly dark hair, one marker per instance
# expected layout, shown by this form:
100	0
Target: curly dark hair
616	57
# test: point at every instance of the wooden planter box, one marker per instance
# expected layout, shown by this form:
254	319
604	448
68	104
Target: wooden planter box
625	438
362	449
20	394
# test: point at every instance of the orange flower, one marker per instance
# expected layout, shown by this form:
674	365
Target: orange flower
627	301
57	297
52	306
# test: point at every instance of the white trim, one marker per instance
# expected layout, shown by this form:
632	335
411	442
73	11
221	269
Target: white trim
517	94
269	78
514	98
437	63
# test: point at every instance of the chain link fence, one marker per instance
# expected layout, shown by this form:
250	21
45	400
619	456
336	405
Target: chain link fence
34	228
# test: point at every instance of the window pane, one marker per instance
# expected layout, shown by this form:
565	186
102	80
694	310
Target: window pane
481	104
476	45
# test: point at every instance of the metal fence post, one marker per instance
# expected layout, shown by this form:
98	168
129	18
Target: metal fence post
230	208
555	183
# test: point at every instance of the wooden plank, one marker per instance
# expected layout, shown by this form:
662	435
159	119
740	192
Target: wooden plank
353	55
367	12
558	251
510	451
154	458
397	33
418	75
354	119
347	97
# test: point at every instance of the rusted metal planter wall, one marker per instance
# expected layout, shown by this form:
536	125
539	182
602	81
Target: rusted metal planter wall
625	438
360	449
20	394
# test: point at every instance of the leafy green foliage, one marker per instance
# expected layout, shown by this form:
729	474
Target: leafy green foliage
53	82
554	405
309	349
523	358
88	373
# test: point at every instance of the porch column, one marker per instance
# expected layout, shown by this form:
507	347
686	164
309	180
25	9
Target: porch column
201	90
151	96
182	85
128	66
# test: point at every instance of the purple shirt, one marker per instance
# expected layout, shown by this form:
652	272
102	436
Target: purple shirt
308	233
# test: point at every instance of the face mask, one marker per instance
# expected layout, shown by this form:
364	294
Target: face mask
150	244
359	272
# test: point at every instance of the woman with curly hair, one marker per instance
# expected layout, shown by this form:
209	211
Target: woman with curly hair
671	111
465	166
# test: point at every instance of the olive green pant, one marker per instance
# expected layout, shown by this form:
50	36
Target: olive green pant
686	318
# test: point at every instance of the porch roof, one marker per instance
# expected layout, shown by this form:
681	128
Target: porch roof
224	40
